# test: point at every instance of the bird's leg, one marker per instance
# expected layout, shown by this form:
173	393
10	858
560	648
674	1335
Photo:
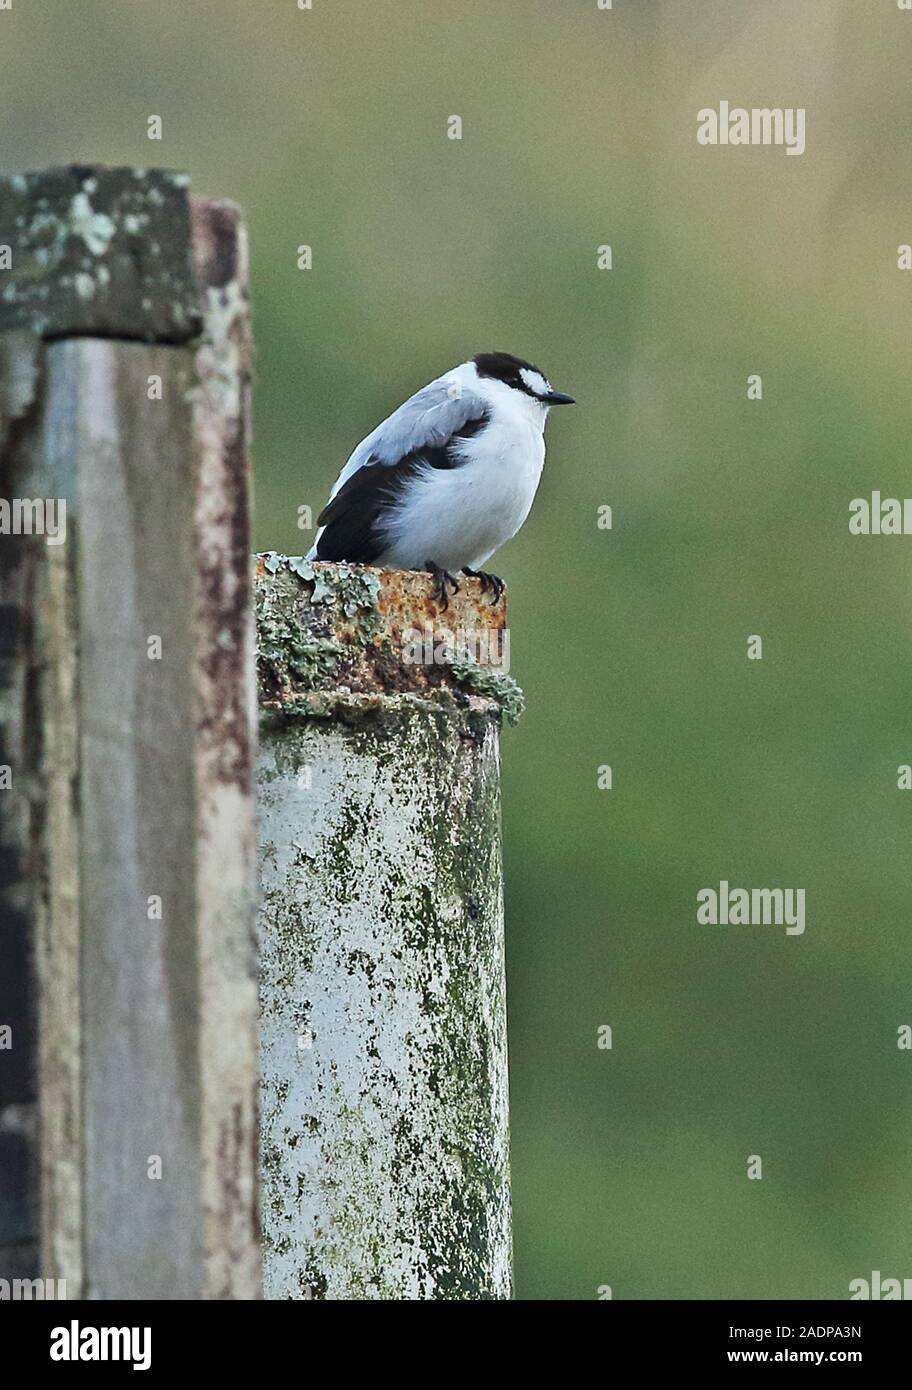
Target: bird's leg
441	579
488	582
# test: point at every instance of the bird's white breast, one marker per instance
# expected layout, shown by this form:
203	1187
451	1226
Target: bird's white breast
458	517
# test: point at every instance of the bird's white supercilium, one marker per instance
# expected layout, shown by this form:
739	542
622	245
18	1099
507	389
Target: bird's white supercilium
449	477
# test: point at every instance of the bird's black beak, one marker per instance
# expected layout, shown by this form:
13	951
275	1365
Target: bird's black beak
558	398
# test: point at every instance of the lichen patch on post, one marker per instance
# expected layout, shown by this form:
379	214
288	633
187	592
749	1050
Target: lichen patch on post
99	251
95	228
343	632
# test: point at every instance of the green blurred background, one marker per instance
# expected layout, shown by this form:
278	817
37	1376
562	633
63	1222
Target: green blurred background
730	518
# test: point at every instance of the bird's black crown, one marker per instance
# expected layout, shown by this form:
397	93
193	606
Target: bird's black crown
503	366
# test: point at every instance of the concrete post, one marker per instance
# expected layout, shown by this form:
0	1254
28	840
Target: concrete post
384	1140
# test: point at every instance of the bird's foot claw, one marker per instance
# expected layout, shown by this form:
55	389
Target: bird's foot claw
490	583
441	579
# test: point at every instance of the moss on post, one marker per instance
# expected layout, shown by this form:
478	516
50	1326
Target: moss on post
383	1037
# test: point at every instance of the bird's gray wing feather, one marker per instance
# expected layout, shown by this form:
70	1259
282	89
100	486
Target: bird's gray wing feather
430	418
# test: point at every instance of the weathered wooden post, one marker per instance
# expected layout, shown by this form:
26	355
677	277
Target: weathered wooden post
384	1115
129	720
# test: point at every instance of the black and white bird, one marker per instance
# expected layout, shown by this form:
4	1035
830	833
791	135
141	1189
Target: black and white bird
448	478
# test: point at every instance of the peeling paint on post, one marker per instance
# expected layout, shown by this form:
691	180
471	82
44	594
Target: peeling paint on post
384	1123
